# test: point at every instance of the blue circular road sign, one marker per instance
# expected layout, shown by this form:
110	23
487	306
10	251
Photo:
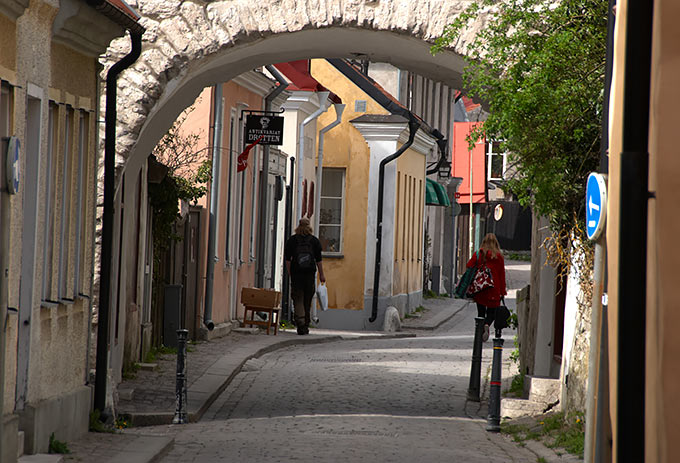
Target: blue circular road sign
596	205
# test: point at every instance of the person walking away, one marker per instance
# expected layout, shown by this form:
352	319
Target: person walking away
302	254
489	299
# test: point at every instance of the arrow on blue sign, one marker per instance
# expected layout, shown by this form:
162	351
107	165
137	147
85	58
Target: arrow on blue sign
596	202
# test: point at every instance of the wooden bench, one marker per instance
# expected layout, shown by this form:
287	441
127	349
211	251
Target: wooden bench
273	315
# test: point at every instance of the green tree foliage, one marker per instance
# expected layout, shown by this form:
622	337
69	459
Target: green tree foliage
539	65
189	171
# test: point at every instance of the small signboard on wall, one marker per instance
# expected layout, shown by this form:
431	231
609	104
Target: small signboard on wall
267	126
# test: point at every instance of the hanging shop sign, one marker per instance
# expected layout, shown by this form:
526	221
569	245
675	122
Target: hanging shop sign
265	126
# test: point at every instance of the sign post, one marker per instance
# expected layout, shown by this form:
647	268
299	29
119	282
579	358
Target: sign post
596	205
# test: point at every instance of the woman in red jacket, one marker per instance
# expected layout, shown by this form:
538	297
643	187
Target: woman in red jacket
490	298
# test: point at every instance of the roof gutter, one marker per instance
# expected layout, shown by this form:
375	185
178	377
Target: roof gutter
413	127
108	215
128	19
264	190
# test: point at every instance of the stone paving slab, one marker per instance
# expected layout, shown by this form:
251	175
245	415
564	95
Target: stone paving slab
121	447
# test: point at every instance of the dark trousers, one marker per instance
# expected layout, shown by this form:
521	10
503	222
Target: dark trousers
302	292
487	313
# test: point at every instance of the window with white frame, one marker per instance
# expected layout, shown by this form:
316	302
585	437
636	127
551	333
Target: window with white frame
66	206
6	108
496	161
81	182
331	210
50	209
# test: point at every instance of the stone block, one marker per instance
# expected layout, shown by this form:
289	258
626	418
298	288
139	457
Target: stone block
41	458
9	439
67	416
221	330
543	390
392	321
514	408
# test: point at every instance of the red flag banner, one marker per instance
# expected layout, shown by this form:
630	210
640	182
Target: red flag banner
242	161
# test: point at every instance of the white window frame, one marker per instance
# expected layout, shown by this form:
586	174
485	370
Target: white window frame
66	193
489	159
342	198
81	199
50	210
6	108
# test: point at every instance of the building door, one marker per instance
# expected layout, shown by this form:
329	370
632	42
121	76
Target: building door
190	272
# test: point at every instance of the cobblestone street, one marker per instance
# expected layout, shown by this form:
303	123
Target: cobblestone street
349	397
391	400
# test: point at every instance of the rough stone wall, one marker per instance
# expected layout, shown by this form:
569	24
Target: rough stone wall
179	33
576	371
577	385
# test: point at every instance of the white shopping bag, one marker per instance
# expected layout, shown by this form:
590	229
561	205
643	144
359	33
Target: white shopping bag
322	296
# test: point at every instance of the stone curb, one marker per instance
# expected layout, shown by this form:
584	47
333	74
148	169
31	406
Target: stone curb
206	389
146	449
436	321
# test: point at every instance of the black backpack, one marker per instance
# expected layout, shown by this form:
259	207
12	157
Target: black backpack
303	256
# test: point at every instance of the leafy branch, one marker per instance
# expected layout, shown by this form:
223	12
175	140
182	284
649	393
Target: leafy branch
539	66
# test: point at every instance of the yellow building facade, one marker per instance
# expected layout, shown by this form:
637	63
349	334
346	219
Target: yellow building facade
368	133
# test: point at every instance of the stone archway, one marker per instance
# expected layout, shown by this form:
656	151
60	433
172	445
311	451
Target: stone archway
189	45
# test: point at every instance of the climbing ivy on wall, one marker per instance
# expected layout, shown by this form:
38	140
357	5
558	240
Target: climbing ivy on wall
189	171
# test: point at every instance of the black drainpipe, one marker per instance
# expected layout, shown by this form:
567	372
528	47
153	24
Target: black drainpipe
441	144
108	217
413	127
633	205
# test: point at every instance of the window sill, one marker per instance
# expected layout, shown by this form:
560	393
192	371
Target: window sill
49	304
332	256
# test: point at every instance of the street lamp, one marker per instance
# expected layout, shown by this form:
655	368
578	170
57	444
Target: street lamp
444	170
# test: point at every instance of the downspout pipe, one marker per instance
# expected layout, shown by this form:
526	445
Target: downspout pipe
339	109
632	252
108	217
324	103
413	127
264	190
442	143
214	205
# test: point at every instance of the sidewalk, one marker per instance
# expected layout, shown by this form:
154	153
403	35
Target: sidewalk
438	310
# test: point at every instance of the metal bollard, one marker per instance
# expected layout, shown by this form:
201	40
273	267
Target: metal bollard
476	369
493	421
181	381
